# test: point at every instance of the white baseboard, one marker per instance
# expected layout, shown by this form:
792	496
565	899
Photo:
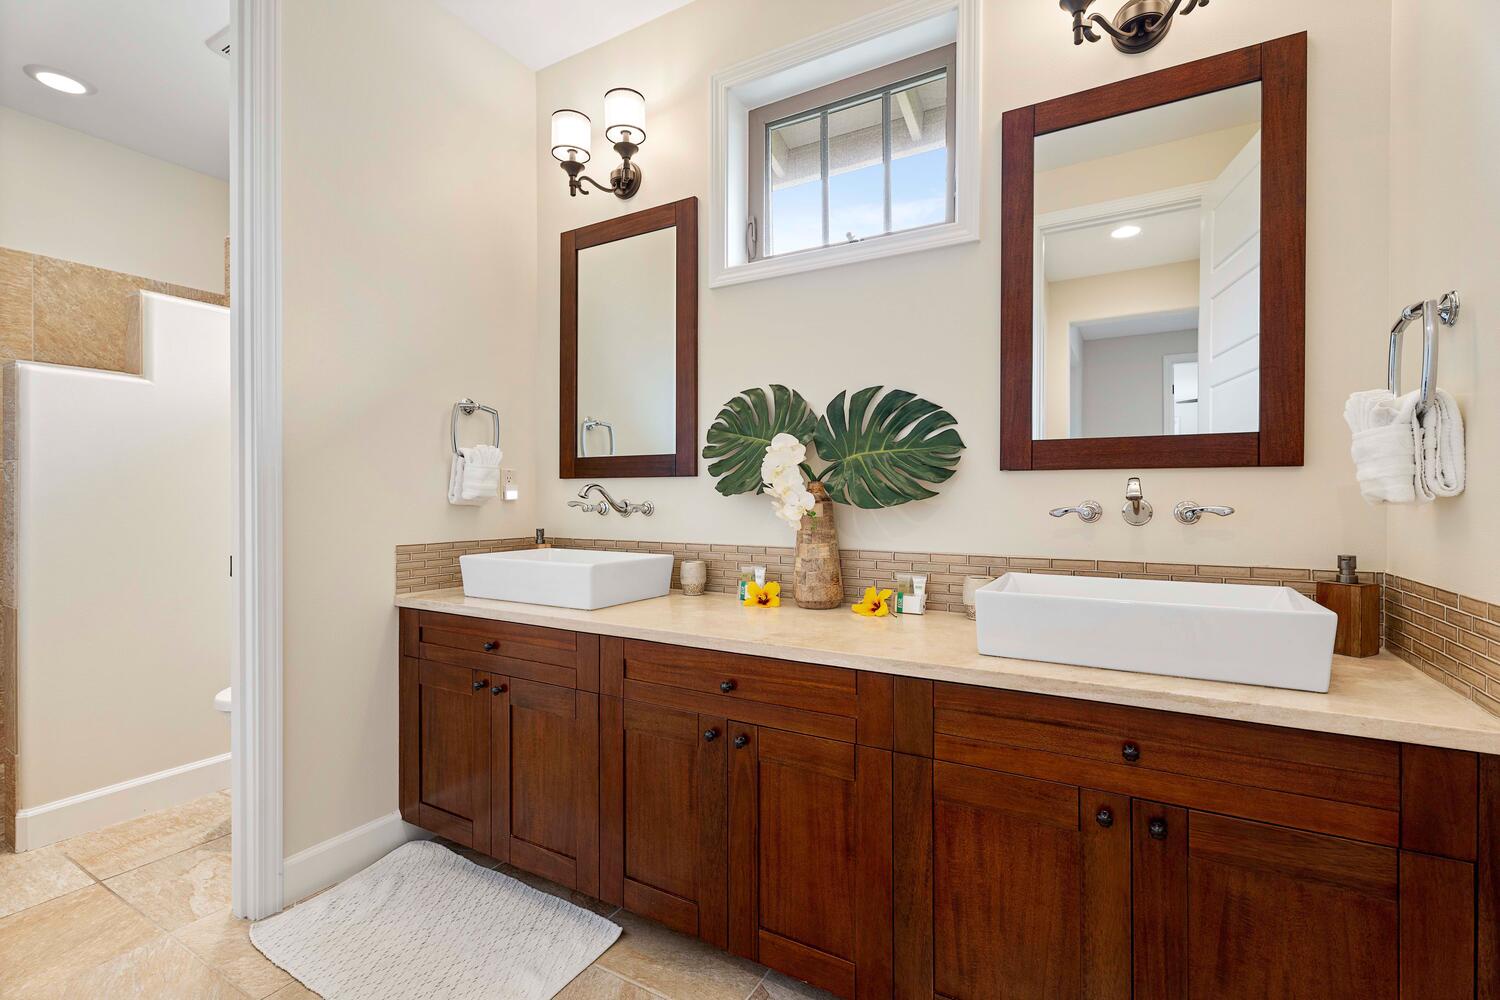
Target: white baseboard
84	813
336	858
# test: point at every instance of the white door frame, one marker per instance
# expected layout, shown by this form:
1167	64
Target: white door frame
255	323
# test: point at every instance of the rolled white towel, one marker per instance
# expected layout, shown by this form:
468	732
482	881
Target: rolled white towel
1385	446
1441	470
481	473
456	484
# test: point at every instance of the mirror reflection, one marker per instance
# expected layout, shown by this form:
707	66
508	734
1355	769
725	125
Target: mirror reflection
1147	249
627	346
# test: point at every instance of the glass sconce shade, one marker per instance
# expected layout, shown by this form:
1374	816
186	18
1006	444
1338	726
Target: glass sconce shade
624	112
571	135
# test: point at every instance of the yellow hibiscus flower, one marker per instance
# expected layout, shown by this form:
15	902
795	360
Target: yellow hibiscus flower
876	604
768	596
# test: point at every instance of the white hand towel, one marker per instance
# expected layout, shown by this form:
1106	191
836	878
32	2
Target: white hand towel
1386	443
481	472
456	485
1441	469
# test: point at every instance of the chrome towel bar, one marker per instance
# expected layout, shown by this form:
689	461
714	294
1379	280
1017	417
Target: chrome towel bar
1434	312
468	407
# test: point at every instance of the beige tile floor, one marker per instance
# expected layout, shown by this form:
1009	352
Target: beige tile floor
141	910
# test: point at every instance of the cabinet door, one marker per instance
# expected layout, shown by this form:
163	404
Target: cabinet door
810	858
1227	909
1030	889
444	751
662	837
544	746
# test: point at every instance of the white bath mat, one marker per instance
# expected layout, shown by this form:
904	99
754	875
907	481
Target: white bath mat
422	923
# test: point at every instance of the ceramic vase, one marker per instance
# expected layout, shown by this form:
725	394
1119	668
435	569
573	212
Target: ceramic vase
816	579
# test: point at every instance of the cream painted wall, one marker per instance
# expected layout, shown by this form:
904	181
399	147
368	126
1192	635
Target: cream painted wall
409	176
929	322
1154	168
69	195
1104	296
1445	225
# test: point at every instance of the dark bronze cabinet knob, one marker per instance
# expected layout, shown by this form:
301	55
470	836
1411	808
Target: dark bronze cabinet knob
498	689
710	734
727	686
1157	828
1104	818
1130	752
480	685
490	647
741	741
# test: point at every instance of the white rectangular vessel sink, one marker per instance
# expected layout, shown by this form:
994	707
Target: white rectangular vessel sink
566	578
1271	636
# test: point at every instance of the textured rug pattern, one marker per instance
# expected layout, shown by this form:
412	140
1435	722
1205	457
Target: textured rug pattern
422	923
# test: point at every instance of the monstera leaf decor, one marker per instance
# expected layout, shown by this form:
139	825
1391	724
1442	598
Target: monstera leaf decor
877	452
883	456
743	430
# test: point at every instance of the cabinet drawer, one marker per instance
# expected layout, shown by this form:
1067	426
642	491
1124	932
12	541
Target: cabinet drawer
484	645
813	688
1348	785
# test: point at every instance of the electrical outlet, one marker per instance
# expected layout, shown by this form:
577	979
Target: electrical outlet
508	488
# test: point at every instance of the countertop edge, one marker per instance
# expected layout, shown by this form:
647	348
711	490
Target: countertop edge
1012	675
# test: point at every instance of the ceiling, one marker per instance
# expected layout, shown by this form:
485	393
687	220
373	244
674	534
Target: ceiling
542	32
1152	127
1142	325
1087	250
161	90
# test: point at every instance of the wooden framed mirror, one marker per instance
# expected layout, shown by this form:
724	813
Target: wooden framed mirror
1154	268
629	346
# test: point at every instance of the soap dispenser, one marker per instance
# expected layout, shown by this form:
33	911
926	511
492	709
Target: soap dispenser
1358	607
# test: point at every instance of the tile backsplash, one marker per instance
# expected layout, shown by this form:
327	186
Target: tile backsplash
1454	638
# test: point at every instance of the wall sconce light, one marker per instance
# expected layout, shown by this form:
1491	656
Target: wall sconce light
1137	26
624	126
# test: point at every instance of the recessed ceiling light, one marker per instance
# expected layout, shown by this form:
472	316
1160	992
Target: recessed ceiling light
1126	232
60	82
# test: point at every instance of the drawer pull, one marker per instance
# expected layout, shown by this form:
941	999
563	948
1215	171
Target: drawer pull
498	689
491	646
741	741
1157	828
727	686
480	685
710	735
1130	752
1104	817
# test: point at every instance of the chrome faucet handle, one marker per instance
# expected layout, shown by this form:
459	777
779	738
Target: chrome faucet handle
1191	512
1088	512
1137	510
590	508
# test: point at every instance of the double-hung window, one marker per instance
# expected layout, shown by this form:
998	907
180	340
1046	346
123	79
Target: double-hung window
855	160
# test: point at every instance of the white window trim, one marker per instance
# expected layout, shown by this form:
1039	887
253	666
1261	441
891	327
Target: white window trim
729	136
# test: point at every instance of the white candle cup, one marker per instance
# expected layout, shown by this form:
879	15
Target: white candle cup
971	587
694	577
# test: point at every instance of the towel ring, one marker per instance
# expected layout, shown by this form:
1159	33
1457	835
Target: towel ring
468	407
1433	313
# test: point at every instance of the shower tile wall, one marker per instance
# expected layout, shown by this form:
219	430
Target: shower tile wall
64	313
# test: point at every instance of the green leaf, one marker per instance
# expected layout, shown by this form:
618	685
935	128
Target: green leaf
882	457
740	435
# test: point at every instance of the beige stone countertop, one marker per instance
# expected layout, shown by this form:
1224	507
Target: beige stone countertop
1381	697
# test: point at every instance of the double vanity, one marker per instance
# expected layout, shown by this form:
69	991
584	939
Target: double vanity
874	806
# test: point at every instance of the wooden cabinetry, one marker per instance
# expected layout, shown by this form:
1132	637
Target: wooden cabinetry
895	837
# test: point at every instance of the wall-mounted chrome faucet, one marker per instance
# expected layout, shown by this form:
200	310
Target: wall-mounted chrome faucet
1137	509
1088	512
622	507
1191	512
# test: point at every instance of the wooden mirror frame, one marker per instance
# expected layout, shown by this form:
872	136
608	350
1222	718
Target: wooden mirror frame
1280	67
683	216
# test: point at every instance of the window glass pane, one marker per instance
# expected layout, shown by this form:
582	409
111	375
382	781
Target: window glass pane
856	172
919	154
794	165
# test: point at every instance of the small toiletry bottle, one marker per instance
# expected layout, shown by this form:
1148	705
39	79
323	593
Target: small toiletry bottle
1358	608
541	539
912	600
751	574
